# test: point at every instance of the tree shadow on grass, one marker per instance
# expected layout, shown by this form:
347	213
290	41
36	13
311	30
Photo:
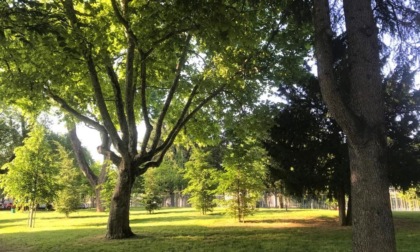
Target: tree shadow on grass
72	217
166	219
161	211
181	238
7	221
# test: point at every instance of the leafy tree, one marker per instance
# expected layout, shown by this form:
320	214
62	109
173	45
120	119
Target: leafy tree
202	181
68	195
243	179
403	103
115	64
31	177
13	129
151	202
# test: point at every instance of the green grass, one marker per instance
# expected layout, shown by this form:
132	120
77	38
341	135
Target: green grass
187	230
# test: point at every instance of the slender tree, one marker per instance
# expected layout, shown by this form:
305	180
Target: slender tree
242	182
202	181
67	198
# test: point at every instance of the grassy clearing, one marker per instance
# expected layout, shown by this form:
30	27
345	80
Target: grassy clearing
187	230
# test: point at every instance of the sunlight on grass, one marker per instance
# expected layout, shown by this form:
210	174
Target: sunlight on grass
184	229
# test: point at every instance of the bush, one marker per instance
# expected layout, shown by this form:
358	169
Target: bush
151	202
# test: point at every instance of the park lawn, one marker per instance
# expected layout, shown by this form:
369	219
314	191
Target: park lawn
184	229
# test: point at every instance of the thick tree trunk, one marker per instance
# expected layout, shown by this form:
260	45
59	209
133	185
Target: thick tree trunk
373	228
119	213
359	110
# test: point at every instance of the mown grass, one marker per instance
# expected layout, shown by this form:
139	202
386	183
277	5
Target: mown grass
187	230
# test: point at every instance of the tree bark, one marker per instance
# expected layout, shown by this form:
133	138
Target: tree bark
359	110
119	212
341	198
98	202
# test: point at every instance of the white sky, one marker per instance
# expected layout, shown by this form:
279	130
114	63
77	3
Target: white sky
89	138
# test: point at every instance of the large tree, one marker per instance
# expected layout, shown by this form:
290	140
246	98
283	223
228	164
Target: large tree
359	109
113	64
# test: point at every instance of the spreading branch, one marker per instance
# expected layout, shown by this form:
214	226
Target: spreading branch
180	66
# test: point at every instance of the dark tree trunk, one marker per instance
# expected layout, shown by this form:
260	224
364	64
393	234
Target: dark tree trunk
119	212
373	228
359	110
341	198
172	197
281	200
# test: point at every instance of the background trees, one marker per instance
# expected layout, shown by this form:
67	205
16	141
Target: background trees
242	181
31	176
68	194
307	147
202	179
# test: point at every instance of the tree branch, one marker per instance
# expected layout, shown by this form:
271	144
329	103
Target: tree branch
81	159
156	160
100	102
179	68
123	20
130	91
119	103
144	108
325	61
64	105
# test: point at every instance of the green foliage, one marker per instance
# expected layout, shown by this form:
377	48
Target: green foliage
68	195
31	179
151	202
202	181
12	131
306	146
403	105
242	183
168	179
